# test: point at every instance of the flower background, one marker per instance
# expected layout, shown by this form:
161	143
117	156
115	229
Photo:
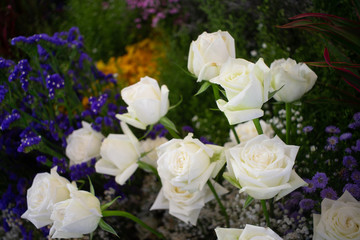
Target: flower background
108	45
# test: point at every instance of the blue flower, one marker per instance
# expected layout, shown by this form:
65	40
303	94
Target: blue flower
307	129
310	188
332	129
349	162
307	204
354	189
328	193
332	141
320	180
355	176
345	136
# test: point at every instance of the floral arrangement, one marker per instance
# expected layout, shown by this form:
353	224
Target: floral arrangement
60	110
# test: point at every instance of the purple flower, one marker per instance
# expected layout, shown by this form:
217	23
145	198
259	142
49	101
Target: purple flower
28	142
328	193
3	91
332	141
97	103
353	189
5	63
307	129
355	176
356	148
356	117
310	188
41	159
187	129
320	180
307	204
332	129
345	136
349	162
354	125
10	118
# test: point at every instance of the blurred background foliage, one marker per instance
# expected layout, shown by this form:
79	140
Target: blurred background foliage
109	27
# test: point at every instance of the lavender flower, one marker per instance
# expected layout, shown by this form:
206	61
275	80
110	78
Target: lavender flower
54	81
310	188
3	91
41	159
27	143
5	63
332	129
355	176
187	129
356	117
307	204
328	193
354	189
345	136
10	118
97	104
320	180
356	148
349	162
307	129
82	170
332	141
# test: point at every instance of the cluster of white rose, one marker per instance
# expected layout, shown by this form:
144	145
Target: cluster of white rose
260	165
52	199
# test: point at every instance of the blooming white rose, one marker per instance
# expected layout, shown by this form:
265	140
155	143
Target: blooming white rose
263	166
45	191
188	163
83	144
183	204
75	216
147	103
119	155
250	232
339	219
246	86
247	131
209	52
296	79
149	146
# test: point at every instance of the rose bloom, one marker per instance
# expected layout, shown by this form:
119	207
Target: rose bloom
188	163
45	191
149	146
183	204
246	86
147	103
339	219
75	216
296	79
263	166
247	131
83	144
250	232
209	52
119	155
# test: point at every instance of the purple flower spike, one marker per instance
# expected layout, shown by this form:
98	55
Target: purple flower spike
355	176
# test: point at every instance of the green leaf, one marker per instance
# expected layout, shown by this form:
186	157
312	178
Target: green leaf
106	227
107	205
231	180
92	190
168	124
147	167
248	201
177	104
203	87
271	94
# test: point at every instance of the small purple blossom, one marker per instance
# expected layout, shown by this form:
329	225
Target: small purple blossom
328	193
307	204
356	117
81	170
41	159
310	188
187	129
320	180
356	147
332	141
97	103
25	143
355	176
3	91
10	118
345	136
4	63
332	129
349	162
353	189
54	81
307	129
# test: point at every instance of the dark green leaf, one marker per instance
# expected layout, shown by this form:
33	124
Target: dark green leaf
107	205
203	87
248	201
177	104
106	227
168	124
92	190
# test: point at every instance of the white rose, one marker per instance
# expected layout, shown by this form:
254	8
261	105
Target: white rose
339	219
246	86
188	163
119	155
183	204
75	216
149	146
296	79
83	144
209	52
147	103
263	167
247	131
45	191
250	232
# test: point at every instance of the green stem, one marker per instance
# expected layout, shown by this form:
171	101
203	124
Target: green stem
235	133
266	213
258	126
222	208
288	121
215	91
112	213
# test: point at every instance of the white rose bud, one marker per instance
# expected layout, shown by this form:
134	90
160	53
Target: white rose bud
183	204
296	79
149	146
209	52
263	167
247	88
247	131
147	103
250	232
83	144
339	219
119	155
45	191
75	216
188	163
